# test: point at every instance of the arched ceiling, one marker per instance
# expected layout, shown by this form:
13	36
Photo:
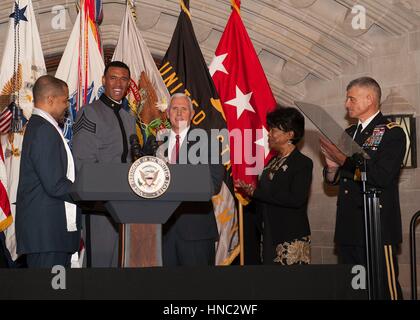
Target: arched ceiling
295	39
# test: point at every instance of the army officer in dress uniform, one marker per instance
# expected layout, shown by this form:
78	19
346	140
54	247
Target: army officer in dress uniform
385	143
101	135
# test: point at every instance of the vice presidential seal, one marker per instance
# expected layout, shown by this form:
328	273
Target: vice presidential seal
149	177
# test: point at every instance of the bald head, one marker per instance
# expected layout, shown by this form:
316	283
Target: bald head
51	95
47	86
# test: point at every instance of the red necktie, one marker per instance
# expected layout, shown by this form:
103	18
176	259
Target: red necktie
175	151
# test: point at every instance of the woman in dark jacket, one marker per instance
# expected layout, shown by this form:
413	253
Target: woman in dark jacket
282	192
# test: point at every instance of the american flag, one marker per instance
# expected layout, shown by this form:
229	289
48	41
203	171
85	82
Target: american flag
5	120
5	213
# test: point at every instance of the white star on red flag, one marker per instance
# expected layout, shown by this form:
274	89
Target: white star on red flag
217	64
263	142
241	102
236	54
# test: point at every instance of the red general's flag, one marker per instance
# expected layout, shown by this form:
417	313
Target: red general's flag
246	99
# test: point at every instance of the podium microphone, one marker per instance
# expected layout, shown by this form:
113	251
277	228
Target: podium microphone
135	148
150	146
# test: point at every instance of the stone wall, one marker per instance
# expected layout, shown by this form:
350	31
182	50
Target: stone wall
395	64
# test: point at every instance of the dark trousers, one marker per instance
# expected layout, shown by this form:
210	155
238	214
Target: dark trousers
355	255
4	259
252	235
101	234
180	252
48	259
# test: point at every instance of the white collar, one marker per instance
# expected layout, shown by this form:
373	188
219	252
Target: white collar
367	121
182	134
117	102
45	114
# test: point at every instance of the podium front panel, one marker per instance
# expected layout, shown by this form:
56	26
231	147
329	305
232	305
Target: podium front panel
147	212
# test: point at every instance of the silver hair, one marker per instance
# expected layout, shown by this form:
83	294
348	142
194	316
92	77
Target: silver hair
180	95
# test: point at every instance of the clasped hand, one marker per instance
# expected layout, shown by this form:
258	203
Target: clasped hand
333	156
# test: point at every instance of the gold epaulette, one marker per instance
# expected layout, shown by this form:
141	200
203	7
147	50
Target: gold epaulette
393	125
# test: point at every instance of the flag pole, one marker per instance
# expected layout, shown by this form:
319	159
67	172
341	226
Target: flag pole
132	6
185	8
236	6
241	234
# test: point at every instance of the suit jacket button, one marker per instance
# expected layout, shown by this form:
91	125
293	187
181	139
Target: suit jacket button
346	191
345	179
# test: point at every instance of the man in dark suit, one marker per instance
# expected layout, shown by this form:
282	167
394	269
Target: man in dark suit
47	220
190	234
385	143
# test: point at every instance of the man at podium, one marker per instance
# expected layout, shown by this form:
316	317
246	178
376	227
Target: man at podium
189	235
385	143
101	135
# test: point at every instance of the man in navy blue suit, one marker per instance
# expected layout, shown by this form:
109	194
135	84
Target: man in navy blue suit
47	220
189	235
